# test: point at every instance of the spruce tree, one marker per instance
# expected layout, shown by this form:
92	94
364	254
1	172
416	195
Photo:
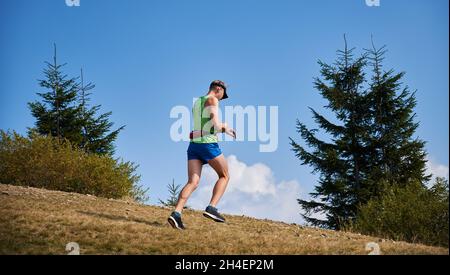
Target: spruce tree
174	192
58	114
342	161
372	147
398	157
65	112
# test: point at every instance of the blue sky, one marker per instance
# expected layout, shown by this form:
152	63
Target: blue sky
147	56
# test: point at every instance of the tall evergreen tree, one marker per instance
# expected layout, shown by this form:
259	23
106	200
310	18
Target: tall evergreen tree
398	157
59	114
65	112
371	147
97	136
341	162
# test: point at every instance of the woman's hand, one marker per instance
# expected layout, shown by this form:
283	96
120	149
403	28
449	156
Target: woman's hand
231	132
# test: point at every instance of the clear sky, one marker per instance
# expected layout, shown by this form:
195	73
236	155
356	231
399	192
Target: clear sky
147	56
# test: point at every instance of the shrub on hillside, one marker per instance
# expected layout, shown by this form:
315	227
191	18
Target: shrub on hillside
413	213
47	162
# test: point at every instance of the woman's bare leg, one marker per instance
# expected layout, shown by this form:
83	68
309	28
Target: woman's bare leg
219	164
194	172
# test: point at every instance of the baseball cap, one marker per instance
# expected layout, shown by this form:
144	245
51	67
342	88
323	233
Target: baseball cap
221	84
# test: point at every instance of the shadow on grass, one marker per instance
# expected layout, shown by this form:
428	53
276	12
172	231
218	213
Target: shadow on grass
121	218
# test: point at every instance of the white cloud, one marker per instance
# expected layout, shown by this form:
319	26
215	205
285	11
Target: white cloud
438	170
252	191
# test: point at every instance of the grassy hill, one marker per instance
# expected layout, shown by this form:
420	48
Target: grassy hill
37	221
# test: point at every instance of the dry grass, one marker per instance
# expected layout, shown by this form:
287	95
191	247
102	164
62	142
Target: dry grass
37	221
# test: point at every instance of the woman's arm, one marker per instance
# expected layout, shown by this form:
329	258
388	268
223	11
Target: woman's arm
212	104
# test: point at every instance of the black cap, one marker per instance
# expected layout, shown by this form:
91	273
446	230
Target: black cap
219	83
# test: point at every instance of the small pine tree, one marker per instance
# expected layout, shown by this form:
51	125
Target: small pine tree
174	192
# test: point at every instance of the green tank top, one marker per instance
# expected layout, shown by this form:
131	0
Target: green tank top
202	121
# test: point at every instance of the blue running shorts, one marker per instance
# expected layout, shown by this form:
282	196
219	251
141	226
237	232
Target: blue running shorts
203	151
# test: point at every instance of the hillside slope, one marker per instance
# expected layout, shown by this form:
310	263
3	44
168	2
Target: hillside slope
37	221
